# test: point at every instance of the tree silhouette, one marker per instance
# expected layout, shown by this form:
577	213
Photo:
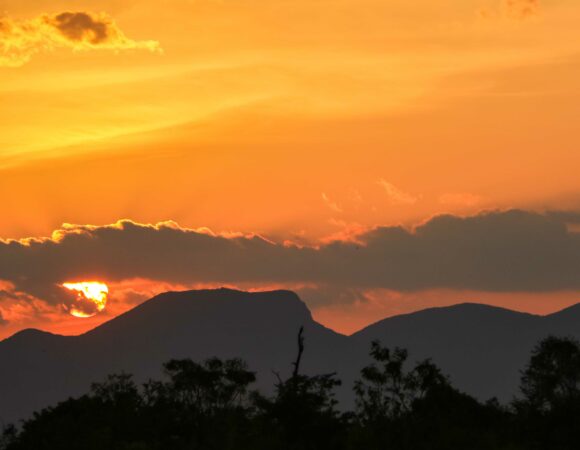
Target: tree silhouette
552	377
8	437
117	389
549	412
387	391
302	413
204	405
400	406
210	387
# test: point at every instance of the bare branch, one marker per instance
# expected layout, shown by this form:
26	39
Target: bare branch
300	351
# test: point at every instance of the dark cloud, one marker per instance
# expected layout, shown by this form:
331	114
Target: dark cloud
81	26
494	251
569	217
324	295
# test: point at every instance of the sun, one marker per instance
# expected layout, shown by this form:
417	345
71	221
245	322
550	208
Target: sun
90	300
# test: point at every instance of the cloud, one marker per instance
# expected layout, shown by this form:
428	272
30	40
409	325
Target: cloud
20	307
522	9
20	40
323	295
512	9
569	217
348	232
397	196
499	251
331	204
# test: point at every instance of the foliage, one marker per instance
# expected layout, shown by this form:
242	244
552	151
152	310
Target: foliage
552	378
301	415
549	412
387	391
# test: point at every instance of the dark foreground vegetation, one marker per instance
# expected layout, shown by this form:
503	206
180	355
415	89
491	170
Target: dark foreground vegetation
212	406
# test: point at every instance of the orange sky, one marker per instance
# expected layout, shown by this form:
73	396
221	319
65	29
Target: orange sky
301	120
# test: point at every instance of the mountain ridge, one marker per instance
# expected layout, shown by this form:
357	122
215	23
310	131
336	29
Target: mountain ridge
482	348
572	308
479	307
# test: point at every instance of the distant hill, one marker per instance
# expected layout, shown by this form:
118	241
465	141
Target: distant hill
482	348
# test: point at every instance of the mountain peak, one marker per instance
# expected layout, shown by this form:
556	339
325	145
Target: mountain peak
30	335
573	310
464	313
195	308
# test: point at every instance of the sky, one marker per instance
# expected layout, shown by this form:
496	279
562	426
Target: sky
376	156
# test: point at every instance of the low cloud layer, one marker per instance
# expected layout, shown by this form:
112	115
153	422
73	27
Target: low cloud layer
505	251
20	40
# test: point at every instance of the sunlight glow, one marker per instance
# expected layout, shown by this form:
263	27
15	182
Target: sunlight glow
91	293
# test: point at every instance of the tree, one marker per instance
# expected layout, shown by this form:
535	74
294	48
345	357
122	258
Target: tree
302	414
212	386
8	437
552	377
401	407
548	415
117	390
201	405
387	391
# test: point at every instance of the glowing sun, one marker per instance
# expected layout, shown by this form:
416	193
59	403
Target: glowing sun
91	298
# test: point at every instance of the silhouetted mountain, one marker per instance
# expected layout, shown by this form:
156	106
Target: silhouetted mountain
482	348
40	368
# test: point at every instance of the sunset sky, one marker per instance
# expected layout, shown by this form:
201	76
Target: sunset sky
376	156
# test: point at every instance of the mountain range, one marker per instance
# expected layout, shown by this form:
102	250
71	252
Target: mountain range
481	348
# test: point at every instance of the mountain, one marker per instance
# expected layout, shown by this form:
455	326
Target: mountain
40	369
481	348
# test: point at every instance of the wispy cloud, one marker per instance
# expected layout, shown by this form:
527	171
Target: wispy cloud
331	204
522	9
512	9
20	40
397	196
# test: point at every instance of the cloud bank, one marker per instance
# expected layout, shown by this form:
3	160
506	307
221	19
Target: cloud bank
501	251
20	40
